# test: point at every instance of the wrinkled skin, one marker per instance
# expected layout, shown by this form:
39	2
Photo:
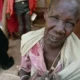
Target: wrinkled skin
60	22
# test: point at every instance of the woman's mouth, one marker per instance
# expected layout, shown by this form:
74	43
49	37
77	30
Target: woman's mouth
56	39
53	39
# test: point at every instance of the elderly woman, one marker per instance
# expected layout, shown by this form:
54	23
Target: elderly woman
52	53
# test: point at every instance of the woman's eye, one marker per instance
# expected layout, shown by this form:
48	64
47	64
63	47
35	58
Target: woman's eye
54	17
70	23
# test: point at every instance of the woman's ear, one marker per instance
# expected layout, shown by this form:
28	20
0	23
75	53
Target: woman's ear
77	21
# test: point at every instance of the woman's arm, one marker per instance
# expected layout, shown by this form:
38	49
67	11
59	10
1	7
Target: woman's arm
4	25
23	74
25	68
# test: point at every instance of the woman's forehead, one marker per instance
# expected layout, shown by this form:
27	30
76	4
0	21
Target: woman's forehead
61	10
64	5
66	8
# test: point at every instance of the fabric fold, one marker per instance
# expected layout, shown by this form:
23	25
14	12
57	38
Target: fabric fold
70	53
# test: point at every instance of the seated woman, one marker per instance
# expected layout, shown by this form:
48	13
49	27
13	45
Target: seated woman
52	53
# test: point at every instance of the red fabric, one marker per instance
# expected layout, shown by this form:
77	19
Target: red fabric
12	24
1	6
10	4
32	6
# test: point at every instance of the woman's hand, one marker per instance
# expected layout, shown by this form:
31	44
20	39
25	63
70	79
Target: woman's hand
54	76
34	76
46	76
8	16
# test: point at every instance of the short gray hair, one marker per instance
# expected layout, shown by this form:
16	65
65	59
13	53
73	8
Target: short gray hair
75	2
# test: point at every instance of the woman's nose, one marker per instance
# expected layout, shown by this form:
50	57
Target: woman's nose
60	28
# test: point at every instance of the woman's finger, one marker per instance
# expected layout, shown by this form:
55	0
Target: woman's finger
33	77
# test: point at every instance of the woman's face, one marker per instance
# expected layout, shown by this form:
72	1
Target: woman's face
60	22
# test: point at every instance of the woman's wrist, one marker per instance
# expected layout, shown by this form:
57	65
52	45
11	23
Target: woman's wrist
25	77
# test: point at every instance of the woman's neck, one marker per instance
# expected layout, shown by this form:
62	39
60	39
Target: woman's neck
51	49
50	55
